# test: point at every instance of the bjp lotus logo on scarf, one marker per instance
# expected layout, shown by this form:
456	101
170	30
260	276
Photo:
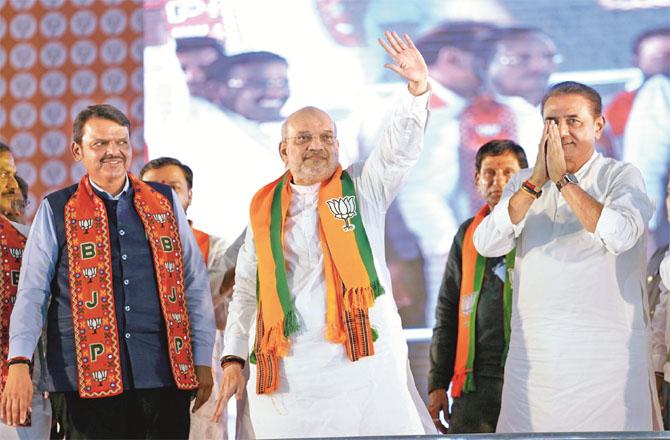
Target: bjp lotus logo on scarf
94	324
86	224
90	272
343	208
160	218
100	376
17	253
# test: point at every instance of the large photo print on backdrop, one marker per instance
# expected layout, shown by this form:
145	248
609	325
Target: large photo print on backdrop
221	76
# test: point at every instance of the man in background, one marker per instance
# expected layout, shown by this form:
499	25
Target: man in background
13	235
195	55
179	177
651	54
474	302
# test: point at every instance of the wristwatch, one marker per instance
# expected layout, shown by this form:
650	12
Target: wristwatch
567	178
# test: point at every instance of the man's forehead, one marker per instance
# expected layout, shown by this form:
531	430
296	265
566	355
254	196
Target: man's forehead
100	126
7	160
564	105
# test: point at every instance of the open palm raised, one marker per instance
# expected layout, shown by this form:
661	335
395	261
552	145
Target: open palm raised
407	61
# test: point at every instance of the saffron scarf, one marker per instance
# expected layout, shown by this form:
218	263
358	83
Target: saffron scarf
473	266
202	239
92	289
12	243
352	283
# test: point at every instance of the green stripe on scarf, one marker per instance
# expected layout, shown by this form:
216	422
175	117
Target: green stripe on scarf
291	324
362	241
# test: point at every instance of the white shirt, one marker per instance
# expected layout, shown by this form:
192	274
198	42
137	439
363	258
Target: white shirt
322	393
579	358
646	142
659	324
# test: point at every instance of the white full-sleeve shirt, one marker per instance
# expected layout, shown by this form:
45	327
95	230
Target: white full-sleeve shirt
322	393
579	358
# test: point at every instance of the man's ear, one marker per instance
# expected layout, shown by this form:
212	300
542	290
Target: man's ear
599	125
77	154
190	197
282	151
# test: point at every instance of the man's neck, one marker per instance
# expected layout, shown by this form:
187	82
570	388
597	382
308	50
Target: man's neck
113	187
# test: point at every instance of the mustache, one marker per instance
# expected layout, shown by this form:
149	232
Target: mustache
319	154
111	157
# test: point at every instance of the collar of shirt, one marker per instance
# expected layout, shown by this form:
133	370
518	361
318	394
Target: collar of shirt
126	186
579	174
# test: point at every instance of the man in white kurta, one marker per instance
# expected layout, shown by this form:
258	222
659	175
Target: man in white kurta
321	392
578	358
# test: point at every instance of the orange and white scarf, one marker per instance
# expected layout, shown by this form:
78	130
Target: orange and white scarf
352	283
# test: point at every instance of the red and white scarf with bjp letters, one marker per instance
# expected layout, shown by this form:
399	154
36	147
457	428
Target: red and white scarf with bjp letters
92	290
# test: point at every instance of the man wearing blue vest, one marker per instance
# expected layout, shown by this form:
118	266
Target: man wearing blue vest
117	276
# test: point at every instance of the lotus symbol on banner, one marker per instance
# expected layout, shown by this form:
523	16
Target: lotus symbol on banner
100	376
94	324
344	208
89	272
86	224
16	252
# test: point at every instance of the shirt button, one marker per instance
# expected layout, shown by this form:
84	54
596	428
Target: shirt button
124	257
127	335
127	308
126	282
122	232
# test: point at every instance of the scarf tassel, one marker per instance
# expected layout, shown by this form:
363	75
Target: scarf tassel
462	383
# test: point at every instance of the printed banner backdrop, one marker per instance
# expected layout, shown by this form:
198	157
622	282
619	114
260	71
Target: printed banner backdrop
56	58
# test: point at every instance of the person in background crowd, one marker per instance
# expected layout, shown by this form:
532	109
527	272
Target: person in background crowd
474	302
578	222
317	366
253	85
651	54
647	146
179	177
117	276
195	55
12	243
658	292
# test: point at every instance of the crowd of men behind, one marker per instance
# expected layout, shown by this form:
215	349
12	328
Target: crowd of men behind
538	297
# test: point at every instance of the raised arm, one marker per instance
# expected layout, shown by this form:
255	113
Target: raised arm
402	139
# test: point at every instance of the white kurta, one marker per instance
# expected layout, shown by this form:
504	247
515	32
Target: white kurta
579	358
322	393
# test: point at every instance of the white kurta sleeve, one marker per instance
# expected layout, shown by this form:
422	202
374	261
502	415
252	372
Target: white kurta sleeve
664	270
401	143
626	211
242	310
496	235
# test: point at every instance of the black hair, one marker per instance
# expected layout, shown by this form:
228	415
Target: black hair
161	162
498	147
575	88
220	70
468	36
102	111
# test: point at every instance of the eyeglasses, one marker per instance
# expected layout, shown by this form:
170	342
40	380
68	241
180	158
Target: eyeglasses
307	138
524	60
257	83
